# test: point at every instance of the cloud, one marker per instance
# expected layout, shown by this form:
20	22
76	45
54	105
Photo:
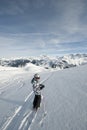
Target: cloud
5	41
11	7
15	7
28	45
72	16
42	25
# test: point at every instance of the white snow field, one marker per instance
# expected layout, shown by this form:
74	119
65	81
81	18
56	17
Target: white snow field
64	103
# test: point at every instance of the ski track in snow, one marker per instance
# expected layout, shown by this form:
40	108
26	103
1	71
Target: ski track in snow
23	119
68	111
10	83
42	119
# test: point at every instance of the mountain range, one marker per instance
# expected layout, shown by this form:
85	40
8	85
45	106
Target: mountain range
47	62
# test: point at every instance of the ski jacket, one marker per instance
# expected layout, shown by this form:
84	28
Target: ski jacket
37	87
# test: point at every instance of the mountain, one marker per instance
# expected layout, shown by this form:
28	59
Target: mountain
47	62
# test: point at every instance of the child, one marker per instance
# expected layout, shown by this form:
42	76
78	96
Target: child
37	91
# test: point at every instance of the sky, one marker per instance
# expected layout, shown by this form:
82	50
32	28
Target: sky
37	27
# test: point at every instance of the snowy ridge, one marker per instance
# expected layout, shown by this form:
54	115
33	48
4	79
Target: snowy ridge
33	68
47	62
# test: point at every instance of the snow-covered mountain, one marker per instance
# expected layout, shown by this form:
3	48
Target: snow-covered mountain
47	61
64	103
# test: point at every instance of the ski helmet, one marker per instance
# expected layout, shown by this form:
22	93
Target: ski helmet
37	76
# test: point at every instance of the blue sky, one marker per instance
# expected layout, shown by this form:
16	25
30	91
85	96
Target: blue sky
36	27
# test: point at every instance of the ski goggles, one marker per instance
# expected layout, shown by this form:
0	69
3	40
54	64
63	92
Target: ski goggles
37	77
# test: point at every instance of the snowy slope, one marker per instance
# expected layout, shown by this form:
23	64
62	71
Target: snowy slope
65	100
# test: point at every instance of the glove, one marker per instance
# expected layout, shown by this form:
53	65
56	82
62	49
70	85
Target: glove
42	86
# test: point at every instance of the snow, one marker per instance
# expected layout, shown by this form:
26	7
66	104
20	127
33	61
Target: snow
75	60
33	68
64	99
47	62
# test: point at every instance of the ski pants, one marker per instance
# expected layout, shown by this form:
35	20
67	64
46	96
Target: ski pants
37	101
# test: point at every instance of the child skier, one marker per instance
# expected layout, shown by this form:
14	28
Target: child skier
37	87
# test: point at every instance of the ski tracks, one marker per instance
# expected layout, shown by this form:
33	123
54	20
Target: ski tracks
24	116
28	120
42	119
10	84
